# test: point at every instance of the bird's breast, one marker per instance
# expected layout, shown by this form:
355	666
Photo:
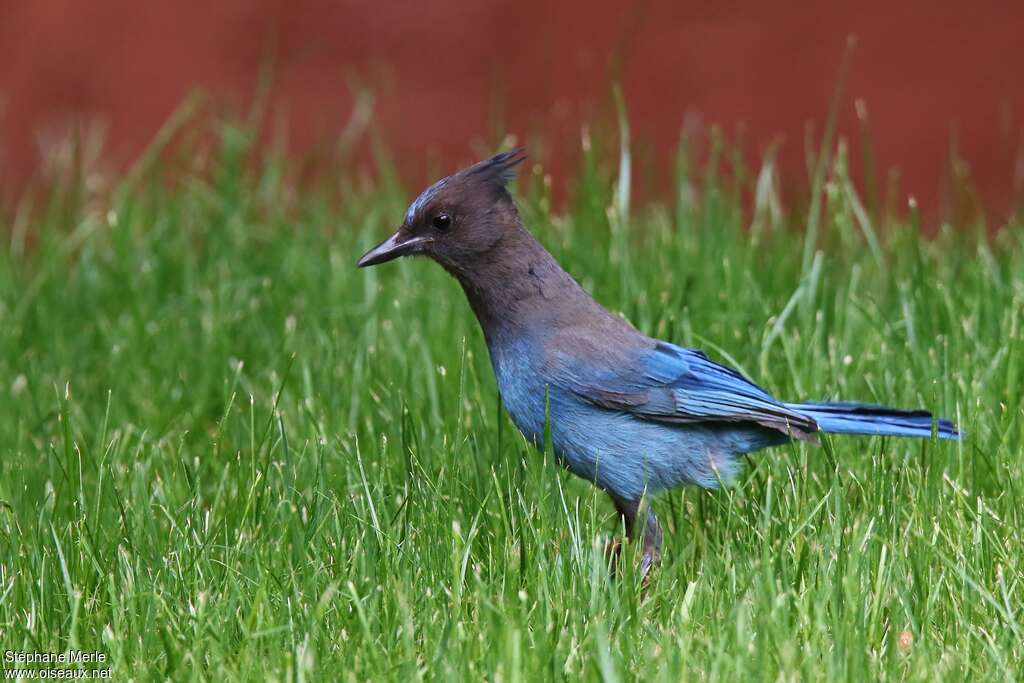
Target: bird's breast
522	385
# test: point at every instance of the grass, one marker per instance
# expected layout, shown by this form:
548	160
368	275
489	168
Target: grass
228	454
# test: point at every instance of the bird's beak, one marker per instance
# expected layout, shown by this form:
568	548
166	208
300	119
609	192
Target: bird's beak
399	244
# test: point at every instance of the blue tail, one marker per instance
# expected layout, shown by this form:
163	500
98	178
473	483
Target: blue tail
868	419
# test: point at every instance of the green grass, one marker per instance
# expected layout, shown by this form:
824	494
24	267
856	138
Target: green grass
228	454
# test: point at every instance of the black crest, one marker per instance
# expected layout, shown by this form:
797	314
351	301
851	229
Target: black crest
499	169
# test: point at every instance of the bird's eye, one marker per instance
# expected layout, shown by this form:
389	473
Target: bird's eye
442	222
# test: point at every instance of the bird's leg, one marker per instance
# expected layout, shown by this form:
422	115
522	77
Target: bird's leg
652	543
630	511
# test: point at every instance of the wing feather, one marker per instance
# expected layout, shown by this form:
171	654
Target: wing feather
668	383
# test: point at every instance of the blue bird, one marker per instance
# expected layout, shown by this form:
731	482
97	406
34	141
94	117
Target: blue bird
632	414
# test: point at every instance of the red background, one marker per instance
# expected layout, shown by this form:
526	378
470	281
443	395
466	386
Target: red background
441	70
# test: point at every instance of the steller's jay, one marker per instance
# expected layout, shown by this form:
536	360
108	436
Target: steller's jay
632	414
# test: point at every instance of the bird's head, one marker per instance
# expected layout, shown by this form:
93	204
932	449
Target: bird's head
457	220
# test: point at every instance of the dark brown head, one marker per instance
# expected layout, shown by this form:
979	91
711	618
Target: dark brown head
457	220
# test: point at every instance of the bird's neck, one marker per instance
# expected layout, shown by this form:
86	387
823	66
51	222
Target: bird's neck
518	288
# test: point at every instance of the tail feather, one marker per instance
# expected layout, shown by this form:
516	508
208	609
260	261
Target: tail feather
868	419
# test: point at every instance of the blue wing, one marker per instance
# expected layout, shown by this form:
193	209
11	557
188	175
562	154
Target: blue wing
668	383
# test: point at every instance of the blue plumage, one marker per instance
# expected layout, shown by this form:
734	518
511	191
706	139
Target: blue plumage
649	419
632	414
874	420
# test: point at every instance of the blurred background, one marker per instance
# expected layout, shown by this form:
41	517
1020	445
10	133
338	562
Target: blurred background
931	105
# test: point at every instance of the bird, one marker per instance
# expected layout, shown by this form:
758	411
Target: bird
632	414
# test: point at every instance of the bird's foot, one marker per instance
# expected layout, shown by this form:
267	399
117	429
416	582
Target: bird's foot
639	525
645	568
648	561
